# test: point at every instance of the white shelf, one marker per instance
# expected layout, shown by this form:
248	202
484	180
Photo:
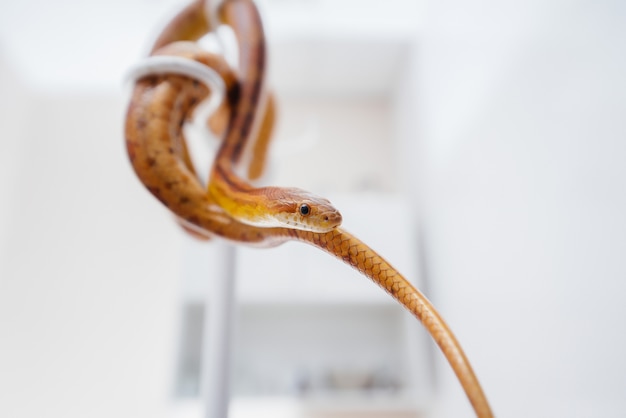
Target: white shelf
331	353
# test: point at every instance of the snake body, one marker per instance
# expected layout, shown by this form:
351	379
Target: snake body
155	144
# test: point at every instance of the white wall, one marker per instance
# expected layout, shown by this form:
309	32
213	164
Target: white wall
87	308
522	164
12	102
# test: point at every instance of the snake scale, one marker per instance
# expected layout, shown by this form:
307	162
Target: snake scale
160	105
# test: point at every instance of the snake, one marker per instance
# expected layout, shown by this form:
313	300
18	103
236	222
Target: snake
155	143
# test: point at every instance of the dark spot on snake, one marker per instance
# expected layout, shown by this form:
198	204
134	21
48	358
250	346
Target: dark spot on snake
233	94
183	200
170	150
151	162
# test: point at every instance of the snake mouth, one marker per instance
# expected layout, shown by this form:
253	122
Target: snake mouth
327	221
332	219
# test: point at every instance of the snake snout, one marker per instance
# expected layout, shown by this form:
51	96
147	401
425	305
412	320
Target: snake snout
332	219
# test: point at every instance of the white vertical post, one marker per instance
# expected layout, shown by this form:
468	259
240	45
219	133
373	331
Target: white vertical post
215	382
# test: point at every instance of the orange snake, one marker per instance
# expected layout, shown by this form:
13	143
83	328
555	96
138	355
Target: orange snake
156	146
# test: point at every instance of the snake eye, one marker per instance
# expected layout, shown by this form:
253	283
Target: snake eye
305	209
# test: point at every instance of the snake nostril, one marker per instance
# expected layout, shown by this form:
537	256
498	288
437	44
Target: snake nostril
326	218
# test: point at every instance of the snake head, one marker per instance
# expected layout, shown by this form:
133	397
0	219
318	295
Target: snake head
300	209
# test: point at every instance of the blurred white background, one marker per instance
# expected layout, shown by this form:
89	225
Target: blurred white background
497	127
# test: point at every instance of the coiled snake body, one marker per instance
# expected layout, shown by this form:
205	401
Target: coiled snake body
158	109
